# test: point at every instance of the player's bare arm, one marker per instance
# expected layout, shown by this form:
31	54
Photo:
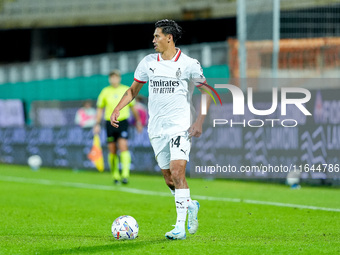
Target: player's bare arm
196	128
99	116
129	95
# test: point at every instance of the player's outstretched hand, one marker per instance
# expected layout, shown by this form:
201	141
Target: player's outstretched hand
195	129
114	118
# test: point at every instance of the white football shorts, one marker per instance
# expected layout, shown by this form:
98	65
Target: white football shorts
176	148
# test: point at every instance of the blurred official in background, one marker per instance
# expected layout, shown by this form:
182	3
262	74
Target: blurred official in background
117	139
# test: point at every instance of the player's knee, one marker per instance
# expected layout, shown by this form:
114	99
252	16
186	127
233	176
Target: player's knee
177	168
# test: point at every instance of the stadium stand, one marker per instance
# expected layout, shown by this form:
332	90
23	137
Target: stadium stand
208	53
45	13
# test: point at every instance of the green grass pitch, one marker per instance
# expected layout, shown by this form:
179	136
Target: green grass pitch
53	211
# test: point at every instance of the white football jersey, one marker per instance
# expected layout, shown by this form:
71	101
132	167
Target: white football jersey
170	91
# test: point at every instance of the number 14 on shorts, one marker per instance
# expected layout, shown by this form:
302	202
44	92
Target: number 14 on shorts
176	141
180	148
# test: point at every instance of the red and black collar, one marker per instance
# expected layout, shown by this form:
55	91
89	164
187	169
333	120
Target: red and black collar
175	58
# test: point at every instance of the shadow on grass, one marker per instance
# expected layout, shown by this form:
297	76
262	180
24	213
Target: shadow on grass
116	247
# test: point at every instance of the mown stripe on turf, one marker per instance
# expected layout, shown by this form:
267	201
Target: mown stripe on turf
156	193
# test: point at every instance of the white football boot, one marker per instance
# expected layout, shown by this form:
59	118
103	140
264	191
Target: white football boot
192	218
176	234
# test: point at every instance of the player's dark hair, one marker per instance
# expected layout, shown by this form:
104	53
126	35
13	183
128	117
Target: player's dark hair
170	27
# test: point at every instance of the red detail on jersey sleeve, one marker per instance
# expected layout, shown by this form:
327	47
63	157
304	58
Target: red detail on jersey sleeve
139	81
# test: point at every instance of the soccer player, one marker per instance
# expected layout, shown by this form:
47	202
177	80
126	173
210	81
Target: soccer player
108	99
169	73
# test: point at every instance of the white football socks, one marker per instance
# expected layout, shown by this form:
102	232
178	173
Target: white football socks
191	205
182	198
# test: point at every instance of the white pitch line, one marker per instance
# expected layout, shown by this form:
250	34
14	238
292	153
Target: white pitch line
156	193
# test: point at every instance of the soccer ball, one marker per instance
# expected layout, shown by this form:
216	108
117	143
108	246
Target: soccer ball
125	228
34	162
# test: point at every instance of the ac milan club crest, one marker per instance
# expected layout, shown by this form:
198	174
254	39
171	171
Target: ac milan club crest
178	73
